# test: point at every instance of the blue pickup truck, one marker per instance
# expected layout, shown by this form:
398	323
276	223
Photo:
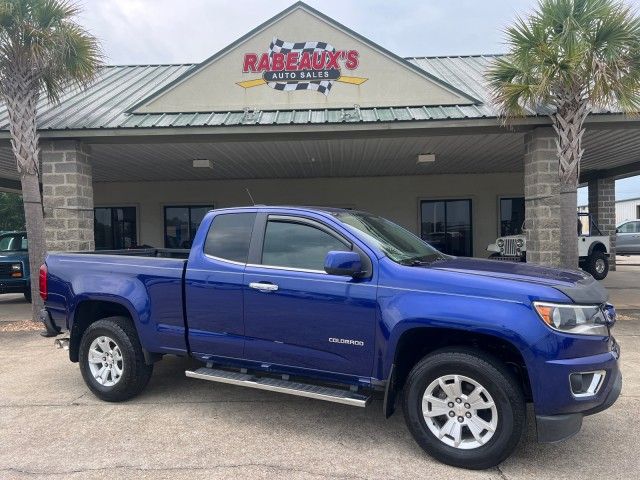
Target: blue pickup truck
14	264
336	305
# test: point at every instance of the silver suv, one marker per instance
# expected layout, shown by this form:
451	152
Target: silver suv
628	238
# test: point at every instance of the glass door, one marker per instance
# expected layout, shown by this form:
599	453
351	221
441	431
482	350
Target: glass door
447	225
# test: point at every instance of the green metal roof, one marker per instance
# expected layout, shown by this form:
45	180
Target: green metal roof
106	103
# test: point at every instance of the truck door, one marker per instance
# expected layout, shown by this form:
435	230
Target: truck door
214	285
296	314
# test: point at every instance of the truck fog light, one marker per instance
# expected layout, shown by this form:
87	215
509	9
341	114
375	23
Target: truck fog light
500	243
584	384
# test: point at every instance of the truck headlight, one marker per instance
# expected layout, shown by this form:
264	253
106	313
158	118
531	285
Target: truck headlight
500	242
519	243
16	270
578	319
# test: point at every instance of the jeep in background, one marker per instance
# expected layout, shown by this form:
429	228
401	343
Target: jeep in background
14	264
336	305
593	248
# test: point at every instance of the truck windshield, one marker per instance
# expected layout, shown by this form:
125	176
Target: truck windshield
398	244
16	242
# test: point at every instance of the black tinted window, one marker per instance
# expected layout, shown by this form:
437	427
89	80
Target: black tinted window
296	245
229	236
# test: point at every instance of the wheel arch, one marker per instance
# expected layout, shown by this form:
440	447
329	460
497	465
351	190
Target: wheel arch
89	310
416	342
597	247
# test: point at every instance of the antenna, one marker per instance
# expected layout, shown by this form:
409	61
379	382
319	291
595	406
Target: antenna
251	197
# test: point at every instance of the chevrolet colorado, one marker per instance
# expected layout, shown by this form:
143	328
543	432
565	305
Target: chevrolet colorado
337	304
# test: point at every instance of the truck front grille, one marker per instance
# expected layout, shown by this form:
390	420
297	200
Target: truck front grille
5	270
510	247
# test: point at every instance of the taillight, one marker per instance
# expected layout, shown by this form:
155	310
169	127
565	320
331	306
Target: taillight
43	281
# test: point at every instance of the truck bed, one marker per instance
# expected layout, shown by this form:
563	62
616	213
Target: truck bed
147	282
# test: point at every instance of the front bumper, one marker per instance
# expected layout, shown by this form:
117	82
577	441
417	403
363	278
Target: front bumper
564	420
555	428
14	286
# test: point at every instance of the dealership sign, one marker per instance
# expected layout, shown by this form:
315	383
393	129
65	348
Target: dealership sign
289	66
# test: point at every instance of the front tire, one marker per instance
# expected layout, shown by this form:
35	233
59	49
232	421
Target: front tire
27	295
463	408
597	265
111	360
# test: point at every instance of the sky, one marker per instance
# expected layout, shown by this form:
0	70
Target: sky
185	31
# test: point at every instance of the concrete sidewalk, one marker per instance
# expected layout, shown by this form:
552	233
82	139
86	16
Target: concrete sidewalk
14	308
624	287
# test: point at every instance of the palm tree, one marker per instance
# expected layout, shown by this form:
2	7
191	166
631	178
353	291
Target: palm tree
42	52
567	59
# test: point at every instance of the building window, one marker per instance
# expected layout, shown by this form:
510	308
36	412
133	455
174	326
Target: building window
181	224
446	224
638	212
115	228
511	216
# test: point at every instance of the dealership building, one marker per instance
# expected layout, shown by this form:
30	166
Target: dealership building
302	110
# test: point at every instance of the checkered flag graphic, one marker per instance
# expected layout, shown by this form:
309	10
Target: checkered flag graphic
280	46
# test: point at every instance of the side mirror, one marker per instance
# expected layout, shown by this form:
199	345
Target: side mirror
343	263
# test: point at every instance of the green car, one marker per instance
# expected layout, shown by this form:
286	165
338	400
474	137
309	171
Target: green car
14	264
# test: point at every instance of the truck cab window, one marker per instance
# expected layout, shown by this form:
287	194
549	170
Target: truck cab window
229	236
297	245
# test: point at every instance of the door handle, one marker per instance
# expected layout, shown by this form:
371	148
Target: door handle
264	287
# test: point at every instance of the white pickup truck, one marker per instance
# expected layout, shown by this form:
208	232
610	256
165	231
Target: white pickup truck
593	248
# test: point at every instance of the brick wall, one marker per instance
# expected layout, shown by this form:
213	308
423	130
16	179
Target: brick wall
541	193
67	188
602	205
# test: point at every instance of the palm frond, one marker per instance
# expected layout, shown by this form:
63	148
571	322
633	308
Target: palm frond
588	48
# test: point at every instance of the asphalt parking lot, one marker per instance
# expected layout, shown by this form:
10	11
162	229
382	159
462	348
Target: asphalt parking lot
51	426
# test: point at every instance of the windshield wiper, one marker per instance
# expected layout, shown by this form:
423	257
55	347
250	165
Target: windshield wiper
422	260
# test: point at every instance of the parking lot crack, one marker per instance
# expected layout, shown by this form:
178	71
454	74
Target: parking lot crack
501	473
268	466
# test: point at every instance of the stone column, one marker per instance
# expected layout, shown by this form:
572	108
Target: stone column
602	205
541	195
67	188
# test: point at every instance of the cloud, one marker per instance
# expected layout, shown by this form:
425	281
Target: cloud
171	31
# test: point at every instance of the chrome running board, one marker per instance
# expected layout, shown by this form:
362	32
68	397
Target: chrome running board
328	394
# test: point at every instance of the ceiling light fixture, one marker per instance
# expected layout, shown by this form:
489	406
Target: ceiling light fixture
426	158
202	163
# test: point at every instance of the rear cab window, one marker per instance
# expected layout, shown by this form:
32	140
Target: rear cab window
229	237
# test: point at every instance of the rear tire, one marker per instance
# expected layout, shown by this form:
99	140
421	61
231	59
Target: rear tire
498	427
597	265
27	296
111	360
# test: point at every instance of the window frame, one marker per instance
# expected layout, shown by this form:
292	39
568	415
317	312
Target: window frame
123	206
251	235
260	228
636	226
499	219
469	199
189	206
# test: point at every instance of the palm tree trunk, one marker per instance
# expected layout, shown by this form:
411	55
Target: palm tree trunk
35	234
568	121
568	226
21	94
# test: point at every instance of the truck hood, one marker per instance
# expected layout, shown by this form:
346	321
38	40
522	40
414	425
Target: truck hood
576	284
13	256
